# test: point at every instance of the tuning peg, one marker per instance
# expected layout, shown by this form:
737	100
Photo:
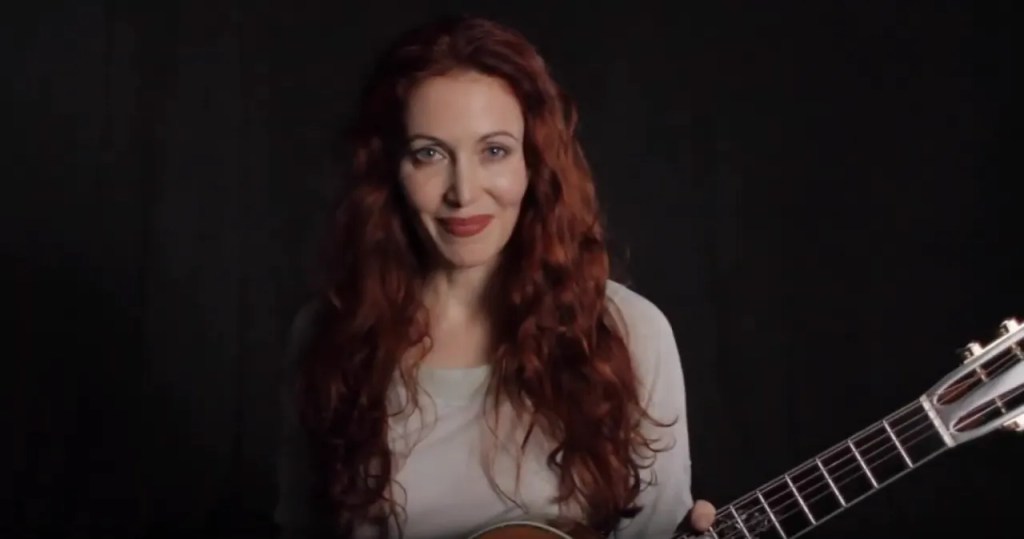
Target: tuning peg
1016	424
972	349
1008	325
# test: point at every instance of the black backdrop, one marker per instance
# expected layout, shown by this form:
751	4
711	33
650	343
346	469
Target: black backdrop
821	198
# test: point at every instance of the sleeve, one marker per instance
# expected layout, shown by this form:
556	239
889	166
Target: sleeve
666	501
296	513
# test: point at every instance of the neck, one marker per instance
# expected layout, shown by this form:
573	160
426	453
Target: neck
458	293
828	484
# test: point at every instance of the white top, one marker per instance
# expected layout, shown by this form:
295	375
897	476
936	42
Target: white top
447	490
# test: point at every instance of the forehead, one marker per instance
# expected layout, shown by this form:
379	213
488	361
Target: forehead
461	106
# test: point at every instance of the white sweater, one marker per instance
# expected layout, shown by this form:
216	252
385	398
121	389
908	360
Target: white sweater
447	492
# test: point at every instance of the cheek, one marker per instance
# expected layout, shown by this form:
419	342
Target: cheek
423	191
509	187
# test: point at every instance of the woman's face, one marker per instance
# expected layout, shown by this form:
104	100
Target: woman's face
463	171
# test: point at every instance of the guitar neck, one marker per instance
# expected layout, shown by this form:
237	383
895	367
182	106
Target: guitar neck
830	483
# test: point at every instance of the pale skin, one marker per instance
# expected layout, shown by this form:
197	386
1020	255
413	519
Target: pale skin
465	158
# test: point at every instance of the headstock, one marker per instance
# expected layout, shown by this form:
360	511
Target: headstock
986	392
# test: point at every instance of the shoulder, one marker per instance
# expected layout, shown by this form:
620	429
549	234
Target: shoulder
639	317
651	342
646	330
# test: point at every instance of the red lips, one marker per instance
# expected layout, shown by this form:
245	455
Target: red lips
465	227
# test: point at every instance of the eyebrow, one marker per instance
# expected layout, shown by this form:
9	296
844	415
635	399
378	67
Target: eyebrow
415	136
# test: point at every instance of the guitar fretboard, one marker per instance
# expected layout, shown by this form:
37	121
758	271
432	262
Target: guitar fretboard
818	489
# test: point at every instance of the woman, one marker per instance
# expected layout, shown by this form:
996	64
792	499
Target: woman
471	362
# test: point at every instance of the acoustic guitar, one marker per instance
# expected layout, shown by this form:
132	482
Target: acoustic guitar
984	394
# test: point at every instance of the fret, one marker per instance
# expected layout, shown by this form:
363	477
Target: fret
756	518
898	443
785	502
804	498
828	478
880	452
840	468
917	434
863	464
771	515
899	446
800	499
739	522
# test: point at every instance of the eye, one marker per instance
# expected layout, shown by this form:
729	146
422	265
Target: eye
427	154
495	152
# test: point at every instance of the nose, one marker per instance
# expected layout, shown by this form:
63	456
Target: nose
465	183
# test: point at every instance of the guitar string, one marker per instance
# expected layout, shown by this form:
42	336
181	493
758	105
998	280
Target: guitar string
827	491
849	461
858	469
883	438
839	478
781	516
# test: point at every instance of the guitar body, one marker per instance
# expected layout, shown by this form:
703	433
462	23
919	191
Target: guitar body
536	530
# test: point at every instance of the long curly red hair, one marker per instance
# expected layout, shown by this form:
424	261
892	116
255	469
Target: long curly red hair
562	363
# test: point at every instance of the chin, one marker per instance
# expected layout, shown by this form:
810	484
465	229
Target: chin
465	258
463	253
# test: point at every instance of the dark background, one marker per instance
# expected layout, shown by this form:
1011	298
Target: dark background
821	197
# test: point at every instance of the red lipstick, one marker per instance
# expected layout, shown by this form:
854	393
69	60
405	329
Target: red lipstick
464	227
